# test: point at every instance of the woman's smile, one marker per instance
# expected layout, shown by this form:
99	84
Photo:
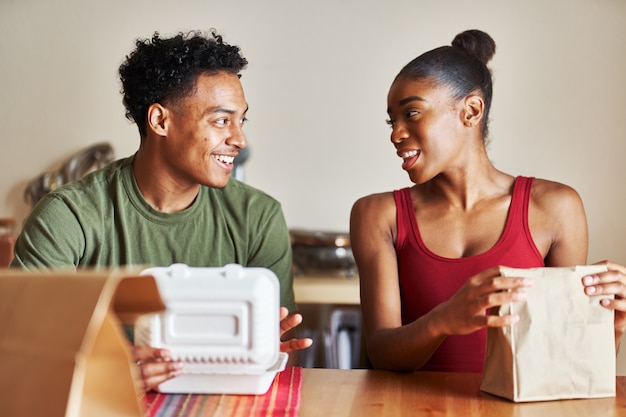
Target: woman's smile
409	158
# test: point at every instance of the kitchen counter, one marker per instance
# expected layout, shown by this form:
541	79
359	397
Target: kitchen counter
323	289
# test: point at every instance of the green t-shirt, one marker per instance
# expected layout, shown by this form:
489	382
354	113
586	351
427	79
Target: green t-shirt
103	221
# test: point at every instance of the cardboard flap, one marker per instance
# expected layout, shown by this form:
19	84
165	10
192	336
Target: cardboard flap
56	327
44	319
136	295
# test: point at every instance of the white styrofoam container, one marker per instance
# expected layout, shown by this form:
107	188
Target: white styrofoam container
223	323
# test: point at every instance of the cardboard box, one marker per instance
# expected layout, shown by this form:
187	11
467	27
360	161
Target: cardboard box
63	351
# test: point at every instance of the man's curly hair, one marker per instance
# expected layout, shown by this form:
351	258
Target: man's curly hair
163	70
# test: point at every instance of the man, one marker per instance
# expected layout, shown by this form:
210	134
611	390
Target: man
174	199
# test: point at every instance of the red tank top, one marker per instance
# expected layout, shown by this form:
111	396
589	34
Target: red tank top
427	280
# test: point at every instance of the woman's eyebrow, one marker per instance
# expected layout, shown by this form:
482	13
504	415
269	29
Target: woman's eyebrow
408	100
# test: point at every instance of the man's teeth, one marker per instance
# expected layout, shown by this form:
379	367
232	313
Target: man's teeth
409	154
224	158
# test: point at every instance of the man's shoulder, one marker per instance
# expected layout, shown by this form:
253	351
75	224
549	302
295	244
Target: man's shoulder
96	191
96	181
242	191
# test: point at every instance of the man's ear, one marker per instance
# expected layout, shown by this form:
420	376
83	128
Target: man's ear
157	119
473	110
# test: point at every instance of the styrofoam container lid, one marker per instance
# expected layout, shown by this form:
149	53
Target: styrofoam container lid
217	320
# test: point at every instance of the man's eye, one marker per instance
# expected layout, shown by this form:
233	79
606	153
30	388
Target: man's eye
244	120
222	122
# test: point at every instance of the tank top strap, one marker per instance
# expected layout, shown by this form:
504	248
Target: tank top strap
404	211
520	200
526	184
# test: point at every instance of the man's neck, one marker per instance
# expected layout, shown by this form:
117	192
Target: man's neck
158	188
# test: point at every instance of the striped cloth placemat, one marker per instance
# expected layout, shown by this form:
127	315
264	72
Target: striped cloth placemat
281	400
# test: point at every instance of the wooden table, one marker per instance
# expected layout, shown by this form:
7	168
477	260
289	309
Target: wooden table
364	393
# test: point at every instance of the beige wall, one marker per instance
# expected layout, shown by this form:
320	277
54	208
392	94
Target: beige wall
317	83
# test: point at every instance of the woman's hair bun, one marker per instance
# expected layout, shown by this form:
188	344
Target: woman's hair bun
477	43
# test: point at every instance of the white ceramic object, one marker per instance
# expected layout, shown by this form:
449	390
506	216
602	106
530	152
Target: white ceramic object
223	323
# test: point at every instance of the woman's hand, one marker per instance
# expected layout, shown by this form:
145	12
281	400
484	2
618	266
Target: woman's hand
468	310
612	282
287	324
156	365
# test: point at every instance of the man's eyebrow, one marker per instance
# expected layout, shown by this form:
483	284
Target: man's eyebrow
225	110
408	100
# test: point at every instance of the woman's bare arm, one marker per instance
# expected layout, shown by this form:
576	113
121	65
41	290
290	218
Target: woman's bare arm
558	224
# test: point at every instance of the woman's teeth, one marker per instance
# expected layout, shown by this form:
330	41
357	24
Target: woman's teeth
409	154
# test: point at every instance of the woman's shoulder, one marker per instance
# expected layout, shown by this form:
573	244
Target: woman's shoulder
553	195
373	220
557	222
374	210
548	188
375	201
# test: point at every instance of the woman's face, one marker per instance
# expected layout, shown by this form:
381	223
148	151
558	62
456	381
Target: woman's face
426	126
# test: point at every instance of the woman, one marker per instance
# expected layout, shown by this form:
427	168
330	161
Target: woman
428	256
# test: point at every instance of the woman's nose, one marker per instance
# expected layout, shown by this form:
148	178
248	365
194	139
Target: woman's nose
398	134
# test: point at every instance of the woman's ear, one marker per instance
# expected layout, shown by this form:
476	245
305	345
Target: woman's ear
157	118
473	110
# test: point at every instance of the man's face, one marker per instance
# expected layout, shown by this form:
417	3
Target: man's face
204	131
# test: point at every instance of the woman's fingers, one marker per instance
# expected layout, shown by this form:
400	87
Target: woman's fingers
612	282
493	290
494	320
490	281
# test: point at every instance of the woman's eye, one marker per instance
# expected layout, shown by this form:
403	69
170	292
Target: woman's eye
389	122
411	113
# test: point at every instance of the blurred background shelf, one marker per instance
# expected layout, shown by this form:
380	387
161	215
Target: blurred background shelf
322	289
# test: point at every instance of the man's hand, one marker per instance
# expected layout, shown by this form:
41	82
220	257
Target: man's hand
156	365
287	324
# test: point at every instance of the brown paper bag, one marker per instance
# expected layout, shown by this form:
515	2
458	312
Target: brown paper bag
62	348
562	347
